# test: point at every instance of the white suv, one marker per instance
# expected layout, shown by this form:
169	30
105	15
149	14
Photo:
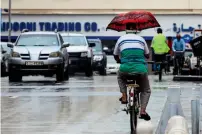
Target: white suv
80	53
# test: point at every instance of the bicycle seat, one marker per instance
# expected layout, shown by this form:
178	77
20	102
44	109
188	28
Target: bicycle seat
159	62
131	83
131	80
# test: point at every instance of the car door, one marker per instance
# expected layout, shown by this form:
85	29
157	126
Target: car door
64	51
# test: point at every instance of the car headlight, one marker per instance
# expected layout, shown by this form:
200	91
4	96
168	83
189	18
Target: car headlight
55	54
98	58
15	54
84	54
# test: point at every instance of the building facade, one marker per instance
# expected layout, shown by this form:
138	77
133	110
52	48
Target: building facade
103	6
91	17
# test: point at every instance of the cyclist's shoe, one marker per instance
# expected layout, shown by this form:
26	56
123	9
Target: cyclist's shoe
156	73
145	117
123	102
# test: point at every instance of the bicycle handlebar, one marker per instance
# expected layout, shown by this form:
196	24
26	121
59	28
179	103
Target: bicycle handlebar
178	51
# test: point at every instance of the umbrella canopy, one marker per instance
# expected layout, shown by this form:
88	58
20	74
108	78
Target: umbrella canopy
141	20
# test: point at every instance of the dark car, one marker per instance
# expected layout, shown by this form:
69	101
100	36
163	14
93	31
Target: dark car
5	51
99	58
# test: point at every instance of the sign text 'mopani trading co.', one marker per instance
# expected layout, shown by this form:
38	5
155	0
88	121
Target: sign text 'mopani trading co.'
95	25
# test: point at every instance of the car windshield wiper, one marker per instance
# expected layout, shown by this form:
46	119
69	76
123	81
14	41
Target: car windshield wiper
39	45
21	45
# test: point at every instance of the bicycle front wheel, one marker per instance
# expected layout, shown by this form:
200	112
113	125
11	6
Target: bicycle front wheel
160	73
133	119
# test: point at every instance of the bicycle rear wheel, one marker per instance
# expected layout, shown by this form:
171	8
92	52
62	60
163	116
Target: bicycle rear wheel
133	119
160	73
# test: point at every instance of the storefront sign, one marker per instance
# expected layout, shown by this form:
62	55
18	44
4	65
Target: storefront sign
51	26
95	25
183	29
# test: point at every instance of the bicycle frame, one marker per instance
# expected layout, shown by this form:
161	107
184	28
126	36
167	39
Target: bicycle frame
162	66
133	105
134	96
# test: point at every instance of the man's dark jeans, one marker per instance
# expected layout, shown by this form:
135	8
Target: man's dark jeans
178	62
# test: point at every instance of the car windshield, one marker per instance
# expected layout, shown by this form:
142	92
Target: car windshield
38	40
97	47
75	40
111	60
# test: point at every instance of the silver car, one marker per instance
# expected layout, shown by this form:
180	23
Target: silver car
38	53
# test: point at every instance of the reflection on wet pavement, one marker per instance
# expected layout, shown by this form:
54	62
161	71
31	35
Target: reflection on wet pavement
80	105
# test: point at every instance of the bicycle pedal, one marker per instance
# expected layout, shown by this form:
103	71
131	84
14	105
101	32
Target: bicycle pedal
124	109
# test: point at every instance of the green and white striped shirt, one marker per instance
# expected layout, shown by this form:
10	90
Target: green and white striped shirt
132	49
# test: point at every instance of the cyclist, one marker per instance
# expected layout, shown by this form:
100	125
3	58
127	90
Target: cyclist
160	46
131	50
178	45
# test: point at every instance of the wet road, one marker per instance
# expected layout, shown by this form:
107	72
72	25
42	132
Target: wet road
80	105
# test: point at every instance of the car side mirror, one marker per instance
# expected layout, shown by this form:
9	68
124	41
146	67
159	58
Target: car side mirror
10	45
91	44
3	51
106	49
66	44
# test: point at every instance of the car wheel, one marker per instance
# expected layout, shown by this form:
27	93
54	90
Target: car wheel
89	71
60	73
3	70
50	75
103	71
14	76
67	73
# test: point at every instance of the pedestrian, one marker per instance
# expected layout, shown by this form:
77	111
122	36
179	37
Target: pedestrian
170	43
170	53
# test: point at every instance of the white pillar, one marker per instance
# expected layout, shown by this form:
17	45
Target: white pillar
200	112
177	125
145	127
195	105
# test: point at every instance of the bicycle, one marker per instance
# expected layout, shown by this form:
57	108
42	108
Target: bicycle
134	103
161	67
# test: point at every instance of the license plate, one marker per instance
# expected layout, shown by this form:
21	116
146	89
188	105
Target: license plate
34	63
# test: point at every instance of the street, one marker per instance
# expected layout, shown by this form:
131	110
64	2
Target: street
80	105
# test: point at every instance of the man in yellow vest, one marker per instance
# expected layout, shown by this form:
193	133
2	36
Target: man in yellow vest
160	46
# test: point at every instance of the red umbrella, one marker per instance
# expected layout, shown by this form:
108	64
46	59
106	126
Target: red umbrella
141	19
